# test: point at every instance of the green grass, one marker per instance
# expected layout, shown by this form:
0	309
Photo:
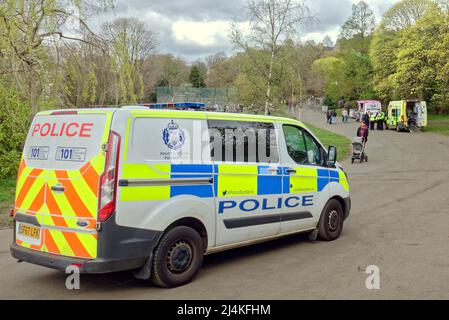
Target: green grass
7	190
328	138
438	124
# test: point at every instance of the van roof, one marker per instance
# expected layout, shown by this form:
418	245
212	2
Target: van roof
405	101
367	101
146	112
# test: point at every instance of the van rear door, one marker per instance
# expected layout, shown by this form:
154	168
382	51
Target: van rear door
58	182
422	114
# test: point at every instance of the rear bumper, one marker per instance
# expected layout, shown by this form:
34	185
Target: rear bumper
119	249
95	266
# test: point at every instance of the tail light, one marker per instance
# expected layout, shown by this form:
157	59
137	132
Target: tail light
108	180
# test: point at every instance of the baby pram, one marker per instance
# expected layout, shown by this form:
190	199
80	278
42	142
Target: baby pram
358	150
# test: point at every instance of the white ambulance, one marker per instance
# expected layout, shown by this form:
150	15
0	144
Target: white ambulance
154	190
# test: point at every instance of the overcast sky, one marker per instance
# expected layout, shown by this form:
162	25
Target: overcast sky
195	29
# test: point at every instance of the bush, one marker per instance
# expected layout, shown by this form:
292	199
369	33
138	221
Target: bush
328	101
14	125
351	105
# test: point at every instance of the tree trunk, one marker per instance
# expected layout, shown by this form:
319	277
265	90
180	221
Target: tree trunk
270	76
34	107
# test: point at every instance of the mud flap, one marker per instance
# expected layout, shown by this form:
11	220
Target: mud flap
144	273
313	235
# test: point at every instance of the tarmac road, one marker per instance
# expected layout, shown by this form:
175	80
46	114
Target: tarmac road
399	222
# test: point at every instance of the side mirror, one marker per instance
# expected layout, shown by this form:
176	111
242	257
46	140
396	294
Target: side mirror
331	156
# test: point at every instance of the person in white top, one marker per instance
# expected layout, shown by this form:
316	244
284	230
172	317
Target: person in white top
345	115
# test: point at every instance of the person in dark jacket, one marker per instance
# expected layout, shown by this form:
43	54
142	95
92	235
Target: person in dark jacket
365	119
363	132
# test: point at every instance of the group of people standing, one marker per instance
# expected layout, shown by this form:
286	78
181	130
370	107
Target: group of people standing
375	120
331	116
371	121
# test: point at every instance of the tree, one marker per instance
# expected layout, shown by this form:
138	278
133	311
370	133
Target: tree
444	5
271	23
291	81
419	58
327	42
222	70
359	25
332	70
196	78
129	44
383	53
412	63
28	26
405	13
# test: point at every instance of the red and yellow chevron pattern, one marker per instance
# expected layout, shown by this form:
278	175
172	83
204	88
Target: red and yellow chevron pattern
59	212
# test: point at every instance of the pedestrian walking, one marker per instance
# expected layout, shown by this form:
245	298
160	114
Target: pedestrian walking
334	117
362	132
345	116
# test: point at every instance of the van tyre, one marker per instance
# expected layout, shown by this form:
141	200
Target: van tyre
178	257
331	221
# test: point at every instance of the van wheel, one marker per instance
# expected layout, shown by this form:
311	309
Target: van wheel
331	221
178	257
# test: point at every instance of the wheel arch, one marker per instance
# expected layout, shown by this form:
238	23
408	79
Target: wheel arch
193	223
345	204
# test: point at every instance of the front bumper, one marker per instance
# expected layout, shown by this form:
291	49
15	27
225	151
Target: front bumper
95	266
347	207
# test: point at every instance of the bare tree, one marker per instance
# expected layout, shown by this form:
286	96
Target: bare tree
139	41
444	5
361	23
30	26
271	23
405	13
327	42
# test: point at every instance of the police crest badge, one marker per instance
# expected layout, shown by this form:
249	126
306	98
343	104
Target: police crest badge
173	136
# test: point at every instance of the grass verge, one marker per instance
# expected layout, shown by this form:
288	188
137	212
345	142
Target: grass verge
438	124
7	190
328	138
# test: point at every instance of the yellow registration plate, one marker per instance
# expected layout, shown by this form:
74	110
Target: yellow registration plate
29	231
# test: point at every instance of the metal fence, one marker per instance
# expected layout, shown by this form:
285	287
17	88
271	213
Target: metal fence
220	97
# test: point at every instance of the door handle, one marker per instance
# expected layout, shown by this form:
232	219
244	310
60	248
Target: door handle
291	171
273	170
58	188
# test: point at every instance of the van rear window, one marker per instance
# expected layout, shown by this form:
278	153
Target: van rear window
64	141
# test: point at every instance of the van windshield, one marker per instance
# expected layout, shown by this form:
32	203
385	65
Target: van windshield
64	142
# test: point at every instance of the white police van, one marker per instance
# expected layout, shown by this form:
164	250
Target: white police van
154	190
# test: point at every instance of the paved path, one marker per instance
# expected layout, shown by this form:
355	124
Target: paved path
399	222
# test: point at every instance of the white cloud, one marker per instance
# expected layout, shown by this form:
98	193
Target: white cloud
196	28
318	36
202	34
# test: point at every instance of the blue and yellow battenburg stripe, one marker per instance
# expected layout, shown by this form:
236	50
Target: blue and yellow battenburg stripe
226	181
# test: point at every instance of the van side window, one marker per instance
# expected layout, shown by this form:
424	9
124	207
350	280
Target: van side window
302	147
314	150
234	141
296	146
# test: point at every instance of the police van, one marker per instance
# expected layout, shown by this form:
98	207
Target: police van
152	191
